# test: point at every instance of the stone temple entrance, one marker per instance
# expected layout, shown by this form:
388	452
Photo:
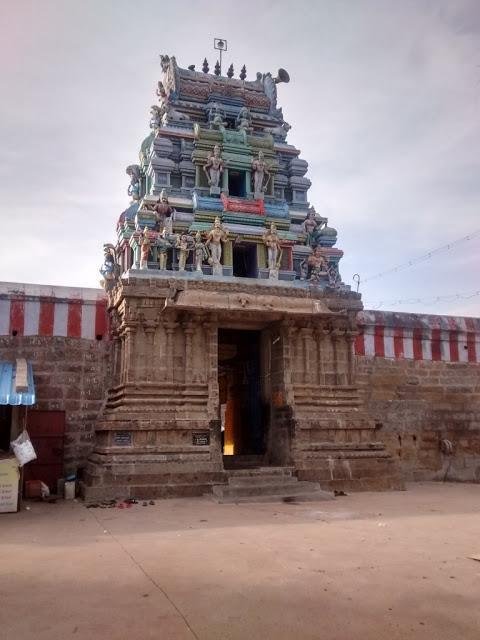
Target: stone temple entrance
243	409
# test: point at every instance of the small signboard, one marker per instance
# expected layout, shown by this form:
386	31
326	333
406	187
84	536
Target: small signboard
201	439
122	438
9	476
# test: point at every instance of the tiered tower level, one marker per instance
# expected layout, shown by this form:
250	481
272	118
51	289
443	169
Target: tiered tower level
233	332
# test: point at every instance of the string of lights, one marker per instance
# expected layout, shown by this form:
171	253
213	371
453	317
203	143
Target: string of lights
427	300
422	258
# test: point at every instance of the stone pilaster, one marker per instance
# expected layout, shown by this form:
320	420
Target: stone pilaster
170	360
188	330
149	327
211	335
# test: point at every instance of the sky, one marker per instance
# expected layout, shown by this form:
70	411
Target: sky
384	102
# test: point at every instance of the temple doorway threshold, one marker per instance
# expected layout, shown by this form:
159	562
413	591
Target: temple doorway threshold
243	406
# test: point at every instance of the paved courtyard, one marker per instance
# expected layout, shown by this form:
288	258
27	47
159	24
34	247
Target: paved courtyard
372	565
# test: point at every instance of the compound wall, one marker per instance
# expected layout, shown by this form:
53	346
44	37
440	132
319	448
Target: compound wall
419	375
420	378
63	332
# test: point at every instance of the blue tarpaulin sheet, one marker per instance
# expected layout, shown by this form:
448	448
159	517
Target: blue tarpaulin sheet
8	393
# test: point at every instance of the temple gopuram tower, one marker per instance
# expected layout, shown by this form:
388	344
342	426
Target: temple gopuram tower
232	329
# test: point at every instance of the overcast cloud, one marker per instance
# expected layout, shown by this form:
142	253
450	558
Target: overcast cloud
384	102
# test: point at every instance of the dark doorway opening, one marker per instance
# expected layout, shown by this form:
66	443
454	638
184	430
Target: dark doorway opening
236	183
46	430
245	261
241	405
5	427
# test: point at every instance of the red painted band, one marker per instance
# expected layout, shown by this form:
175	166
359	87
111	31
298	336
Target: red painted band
46	318
453	340
417	344
379	344
100	318
398	342
17	316
436	347
74	319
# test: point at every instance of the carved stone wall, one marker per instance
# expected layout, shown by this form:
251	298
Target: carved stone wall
160	431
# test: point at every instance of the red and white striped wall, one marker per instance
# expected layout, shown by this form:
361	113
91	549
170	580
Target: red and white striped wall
41	310
413	336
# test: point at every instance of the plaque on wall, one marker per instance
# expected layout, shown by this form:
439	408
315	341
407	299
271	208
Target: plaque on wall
201	439
122	438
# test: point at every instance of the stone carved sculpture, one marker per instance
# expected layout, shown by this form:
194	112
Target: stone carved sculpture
318	265
271	240
163	244
184	245
145	245
213	169
280	131
110	268
134	171
161	93
216	117
170	73
201	252
260	172
243	121
316	227
156	117
162	210
215	237
172	115
334	279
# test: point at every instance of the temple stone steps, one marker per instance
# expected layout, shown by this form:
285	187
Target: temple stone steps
267	484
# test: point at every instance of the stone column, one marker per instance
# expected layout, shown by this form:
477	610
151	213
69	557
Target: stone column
130	331
116	364
227	254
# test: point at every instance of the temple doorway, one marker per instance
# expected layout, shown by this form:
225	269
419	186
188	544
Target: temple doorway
242	409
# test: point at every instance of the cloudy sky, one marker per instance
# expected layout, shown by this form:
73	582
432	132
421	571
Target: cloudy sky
384	101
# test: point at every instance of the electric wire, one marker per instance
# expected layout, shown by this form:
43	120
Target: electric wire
467	295
424	257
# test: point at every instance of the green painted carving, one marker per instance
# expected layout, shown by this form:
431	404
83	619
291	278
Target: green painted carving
228	254
261	256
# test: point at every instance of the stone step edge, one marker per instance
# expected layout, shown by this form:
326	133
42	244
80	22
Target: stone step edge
311	496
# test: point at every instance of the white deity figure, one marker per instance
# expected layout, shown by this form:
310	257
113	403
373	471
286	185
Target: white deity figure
183	245
145	245
163	245
244	120
200	252
215	237
214	167
260	171
271	240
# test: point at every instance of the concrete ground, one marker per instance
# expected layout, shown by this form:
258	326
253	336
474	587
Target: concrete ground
371	565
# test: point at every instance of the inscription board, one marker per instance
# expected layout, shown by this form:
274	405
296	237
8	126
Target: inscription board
201	439
122	438
9	475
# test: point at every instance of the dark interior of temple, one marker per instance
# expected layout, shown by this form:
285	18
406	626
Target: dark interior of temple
239	370
236	183
245	260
